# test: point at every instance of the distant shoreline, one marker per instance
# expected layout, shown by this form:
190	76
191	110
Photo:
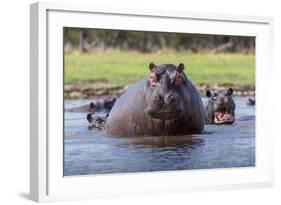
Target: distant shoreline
94	90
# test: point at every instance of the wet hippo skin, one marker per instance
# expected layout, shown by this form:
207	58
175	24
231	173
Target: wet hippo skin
167	103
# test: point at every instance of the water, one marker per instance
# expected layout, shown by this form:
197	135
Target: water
88	152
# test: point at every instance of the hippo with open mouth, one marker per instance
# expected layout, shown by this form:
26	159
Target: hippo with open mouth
167	103
220	107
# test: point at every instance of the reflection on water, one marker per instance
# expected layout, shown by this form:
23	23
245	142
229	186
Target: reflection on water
163	141
91	152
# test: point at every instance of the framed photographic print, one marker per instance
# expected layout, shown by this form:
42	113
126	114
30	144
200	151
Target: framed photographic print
128	101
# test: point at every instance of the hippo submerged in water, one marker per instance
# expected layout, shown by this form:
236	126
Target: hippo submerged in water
220	107
97	122
251	102
103	105
167	103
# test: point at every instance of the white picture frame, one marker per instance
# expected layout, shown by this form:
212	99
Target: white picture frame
46	139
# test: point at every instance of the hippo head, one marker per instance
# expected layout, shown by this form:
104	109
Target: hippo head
223	106
164	91
92	107
108	104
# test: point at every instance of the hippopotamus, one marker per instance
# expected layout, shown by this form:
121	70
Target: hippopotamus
97	122
220	108
166	103
102	105
251	102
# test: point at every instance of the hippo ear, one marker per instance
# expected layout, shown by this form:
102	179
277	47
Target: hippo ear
208	93
180	67
152	66
92	105
89	117
230	91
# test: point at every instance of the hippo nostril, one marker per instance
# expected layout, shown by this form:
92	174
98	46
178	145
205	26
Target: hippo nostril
158	100
220	101
169	98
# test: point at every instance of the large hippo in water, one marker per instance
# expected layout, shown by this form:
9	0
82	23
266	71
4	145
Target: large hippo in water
220	107
167	103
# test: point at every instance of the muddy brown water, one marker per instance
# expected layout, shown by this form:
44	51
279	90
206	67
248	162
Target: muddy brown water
88	152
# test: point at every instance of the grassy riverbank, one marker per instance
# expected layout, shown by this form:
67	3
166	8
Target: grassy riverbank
122	68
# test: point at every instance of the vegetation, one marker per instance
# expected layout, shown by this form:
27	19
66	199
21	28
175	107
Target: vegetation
117	68
88	40
100	62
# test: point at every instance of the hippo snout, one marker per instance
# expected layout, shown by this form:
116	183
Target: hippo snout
158	100
167	107
164	101
169	99
222	102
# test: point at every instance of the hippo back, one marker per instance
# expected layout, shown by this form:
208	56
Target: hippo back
127	114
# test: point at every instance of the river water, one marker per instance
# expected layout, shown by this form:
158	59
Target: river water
88	152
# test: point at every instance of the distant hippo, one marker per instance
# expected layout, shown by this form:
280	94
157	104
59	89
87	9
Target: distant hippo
251	102
220	108
167	103
102	105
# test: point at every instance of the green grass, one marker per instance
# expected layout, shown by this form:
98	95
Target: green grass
122	68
